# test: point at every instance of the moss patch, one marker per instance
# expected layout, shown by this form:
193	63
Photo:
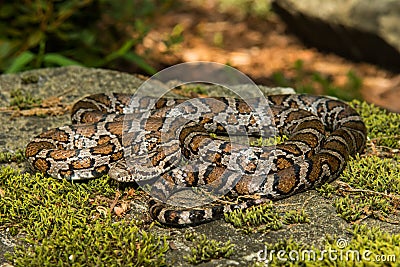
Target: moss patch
369	187
204	249
383	126
189	89
8	157
264	218
269	141
23	100
102	243
72	223
366	247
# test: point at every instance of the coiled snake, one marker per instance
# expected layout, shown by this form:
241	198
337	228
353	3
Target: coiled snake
322	134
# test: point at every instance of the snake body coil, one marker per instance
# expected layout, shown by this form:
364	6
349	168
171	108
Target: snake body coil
322	134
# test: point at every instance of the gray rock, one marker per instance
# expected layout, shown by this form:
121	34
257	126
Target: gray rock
364	30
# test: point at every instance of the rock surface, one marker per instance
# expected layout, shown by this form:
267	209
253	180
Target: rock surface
364	30
72	83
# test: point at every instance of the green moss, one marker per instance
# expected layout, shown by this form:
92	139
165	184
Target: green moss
193	88
294	217
383	126
8	157
28	78
263	218
376	241
205	249
269	141
36	204
373	173
353	208
259	142
102	243
71	223
366	247
23	100
327	190
368	187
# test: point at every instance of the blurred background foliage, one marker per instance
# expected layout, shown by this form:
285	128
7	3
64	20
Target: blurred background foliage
93	33
112	34
309	82
245	8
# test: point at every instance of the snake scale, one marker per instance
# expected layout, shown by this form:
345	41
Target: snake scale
322	134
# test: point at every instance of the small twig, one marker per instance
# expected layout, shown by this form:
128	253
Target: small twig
383	137
306	202
115	201
348	188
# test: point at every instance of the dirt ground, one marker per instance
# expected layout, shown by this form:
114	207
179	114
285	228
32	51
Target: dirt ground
259	47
